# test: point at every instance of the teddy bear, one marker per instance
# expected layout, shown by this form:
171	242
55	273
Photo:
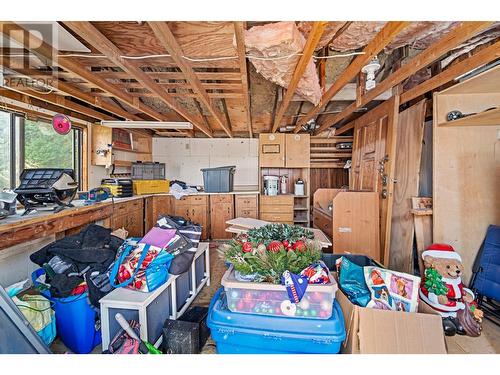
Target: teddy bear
442	287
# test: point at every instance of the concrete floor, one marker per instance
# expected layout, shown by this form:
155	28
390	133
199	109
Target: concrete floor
487	343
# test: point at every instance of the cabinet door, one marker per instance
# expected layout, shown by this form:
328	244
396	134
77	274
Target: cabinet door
101	139
135	224
219	214
272	150
297	150
199	214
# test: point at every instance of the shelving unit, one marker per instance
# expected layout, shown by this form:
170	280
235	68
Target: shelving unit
104	152
287	155
325	154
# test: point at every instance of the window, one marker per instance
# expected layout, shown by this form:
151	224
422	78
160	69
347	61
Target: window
34	144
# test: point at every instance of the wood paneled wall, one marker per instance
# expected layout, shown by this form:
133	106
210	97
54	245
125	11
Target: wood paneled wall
330	178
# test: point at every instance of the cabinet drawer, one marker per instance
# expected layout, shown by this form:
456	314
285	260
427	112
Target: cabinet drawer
223	198
283	200
198	199
323	222
126	207
271	209
245	212
278	217
246	201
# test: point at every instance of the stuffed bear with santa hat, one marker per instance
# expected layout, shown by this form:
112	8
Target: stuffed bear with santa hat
449	296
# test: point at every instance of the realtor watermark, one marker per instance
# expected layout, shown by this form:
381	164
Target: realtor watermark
27	56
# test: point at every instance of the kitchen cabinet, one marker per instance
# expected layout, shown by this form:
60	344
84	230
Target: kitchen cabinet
272	150
194	208
246	206
156	206
130	216
221	210
277	209
297	150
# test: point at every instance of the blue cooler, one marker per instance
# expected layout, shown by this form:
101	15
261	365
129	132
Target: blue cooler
236	333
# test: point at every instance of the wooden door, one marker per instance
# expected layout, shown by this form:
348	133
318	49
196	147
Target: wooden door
155	207
297	150
272	150
373	161
221	210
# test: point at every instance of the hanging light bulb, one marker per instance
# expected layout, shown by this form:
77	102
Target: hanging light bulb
370	70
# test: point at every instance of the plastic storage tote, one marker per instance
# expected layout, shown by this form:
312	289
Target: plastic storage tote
75	320
218	180
148	171
272	299
151	186
235	333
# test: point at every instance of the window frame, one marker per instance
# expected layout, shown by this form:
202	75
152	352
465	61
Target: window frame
17	148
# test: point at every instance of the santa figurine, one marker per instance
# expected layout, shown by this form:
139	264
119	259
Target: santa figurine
442	286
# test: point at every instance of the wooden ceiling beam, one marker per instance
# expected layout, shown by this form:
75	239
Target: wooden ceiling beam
169	42
30	101
91	34
311	43
450	40
47	53
478	59
76	92
377	44
239	28
62	102
202	76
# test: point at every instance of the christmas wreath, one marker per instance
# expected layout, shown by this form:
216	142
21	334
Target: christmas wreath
268	251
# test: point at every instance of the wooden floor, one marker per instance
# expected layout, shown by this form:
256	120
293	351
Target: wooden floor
487	343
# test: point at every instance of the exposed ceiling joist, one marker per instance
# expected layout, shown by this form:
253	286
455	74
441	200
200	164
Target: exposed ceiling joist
382	39
239	28
47	52
91	34
21	99
449	41
167	39
309	48
480	58
61	101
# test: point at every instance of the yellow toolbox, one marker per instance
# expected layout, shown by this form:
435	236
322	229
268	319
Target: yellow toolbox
151	186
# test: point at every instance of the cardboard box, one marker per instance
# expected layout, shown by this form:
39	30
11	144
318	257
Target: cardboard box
372	331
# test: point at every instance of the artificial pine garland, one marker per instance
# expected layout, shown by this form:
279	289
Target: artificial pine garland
278	232
268	251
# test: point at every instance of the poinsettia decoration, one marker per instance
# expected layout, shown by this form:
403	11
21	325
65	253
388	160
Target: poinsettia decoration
270	250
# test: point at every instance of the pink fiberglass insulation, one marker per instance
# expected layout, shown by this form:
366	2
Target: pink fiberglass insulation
420	35
331	28
357	35
282	39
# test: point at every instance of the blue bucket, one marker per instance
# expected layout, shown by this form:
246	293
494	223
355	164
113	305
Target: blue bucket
75	319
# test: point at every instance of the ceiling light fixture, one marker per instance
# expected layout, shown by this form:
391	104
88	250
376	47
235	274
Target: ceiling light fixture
148	124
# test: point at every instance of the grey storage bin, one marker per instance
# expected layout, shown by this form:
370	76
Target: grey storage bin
183	288
218	180
148	171
200	270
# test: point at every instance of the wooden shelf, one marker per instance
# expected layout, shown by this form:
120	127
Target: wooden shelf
485	118
122	163
300	220
301	208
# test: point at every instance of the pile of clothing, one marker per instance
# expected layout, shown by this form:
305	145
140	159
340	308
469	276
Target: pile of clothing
76	264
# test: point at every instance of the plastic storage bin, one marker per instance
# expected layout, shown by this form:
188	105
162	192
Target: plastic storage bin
151	186
272	299
218	180
148	171
75	320
236	333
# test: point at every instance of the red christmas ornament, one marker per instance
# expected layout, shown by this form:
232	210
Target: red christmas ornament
300	246
285	243
275	246
247	247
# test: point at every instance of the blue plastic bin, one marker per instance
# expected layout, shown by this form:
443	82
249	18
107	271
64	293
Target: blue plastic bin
75	319
236	333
